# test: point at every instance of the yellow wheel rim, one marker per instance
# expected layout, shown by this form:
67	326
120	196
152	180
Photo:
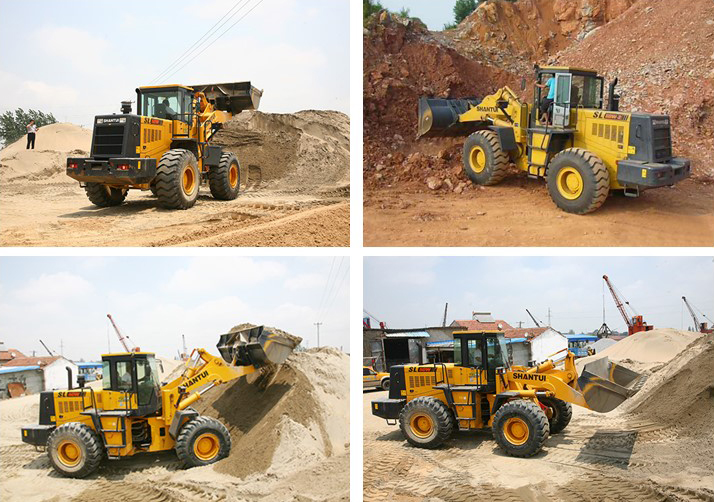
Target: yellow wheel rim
188	180
570	183
477	159
69	453
206	446
421	425
516	431
233	175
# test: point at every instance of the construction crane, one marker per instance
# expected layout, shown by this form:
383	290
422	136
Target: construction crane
701	327
534	319
446	308
47	349
122	338
636	323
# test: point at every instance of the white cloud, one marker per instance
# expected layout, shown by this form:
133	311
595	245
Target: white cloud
54	288
82	51
212	273
304	281
37	95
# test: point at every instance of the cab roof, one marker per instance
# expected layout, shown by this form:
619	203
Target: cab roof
120	354
548	69
168	86
479	332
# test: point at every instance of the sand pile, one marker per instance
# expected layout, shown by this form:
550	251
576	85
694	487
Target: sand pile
303	150
681	393
53	145
301	418
647	350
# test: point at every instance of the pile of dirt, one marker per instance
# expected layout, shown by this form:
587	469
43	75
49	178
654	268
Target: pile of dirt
299	151
53	145
403	61
681	393
301	418
662	52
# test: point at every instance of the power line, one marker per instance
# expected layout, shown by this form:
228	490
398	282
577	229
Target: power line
332	288
337	290
324	290
198	42
215	40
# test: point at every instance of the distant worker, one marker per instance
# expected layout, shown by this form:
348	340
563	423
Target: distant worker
545	103
31	132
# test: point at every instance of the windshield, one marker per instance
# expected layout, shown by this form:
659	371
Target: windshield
586	92
496	350
161	103
147	376
474	353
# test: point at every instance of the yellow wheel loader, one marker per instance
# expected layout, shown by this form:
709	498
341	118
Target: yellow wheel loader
480	390
135	413
583	149
165	147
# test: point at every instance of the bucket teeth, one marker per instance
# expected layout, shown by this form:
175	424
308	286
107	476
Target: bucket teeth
605	385
256	346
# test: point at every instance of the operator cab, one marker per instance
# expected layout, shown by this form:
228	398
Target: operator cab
483	350
134	373
172	102
574	88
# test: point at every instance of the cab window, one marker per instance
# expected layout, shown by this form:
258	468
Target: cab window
162	104
494	353
146	377
474	353
123	376
106	376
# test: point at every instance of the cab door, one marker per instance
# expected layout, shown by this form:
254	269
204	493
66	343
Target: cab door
561	103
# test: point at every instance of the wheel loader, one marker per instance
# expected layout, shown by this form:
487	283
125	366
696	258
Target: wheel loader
165	147
135	413
584	150
480	390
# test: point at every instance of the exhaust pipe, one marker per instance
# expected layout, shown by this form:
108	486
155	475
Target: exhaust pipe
440	117
606	385
69	377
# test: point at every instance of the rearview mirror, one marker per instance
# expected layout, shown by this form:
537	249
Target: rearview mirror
523	84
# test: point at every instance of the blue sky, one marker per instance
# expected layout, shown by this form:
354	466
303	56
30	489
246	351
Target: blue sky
155	300
411	292
435	14
81	58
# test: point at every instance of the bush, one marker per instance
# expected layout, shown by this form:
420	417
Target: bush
463	8
370	7
13	125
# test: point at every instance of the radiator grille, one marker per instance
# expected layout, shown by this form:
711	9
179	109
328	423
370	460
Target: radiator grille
108	140
662	143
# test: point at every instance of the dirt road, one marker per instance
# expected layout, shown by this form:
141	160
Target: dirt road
596	458
519	212
56	212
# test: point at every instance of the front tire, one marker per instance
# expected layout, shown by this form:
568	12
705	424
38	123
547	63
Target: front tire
178	179
520	428
224	179
578	181
202	441
385	384
561	413
75	450
103	196
485	162
426	422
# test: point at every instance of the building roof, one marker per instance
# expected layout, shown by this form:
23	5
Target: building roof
589	338
408	334
89	365
32	361
10	354
474	325
17	369
524	332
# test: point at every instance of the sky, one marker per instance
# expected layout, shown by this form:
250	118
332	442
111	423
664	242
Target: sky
64	301
411	292
434	14
81	58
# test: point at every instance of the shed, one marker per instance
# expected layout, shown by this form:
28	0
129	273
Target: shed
54	370
17	381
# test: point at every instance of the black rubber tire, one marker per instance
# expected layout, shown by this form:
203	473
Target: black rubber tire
169	179
385	384
219	178
191	431
104	196
562	412
496	161
441	417
89	443
595	178
153	191
533	416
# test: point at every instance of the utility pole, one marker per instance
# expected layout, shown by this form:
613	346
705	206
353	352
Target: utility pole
61	348
549	317
318	333
446	307
520	324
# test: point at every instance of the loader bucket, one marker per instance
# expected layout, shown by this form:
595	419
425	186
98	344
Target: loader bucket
256	346
605	385
440	117
232	97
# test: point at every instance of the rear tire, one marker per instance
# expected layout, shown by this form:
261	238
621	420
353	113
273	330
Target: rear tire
103	196
202	441
578	181
224	179
75	450
561	411
385	384
520	428
426	422
485	162
178	179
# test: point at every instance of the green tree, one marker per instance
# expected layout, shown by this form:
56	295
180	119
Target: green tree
404	13
369	7
13	124
463	8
